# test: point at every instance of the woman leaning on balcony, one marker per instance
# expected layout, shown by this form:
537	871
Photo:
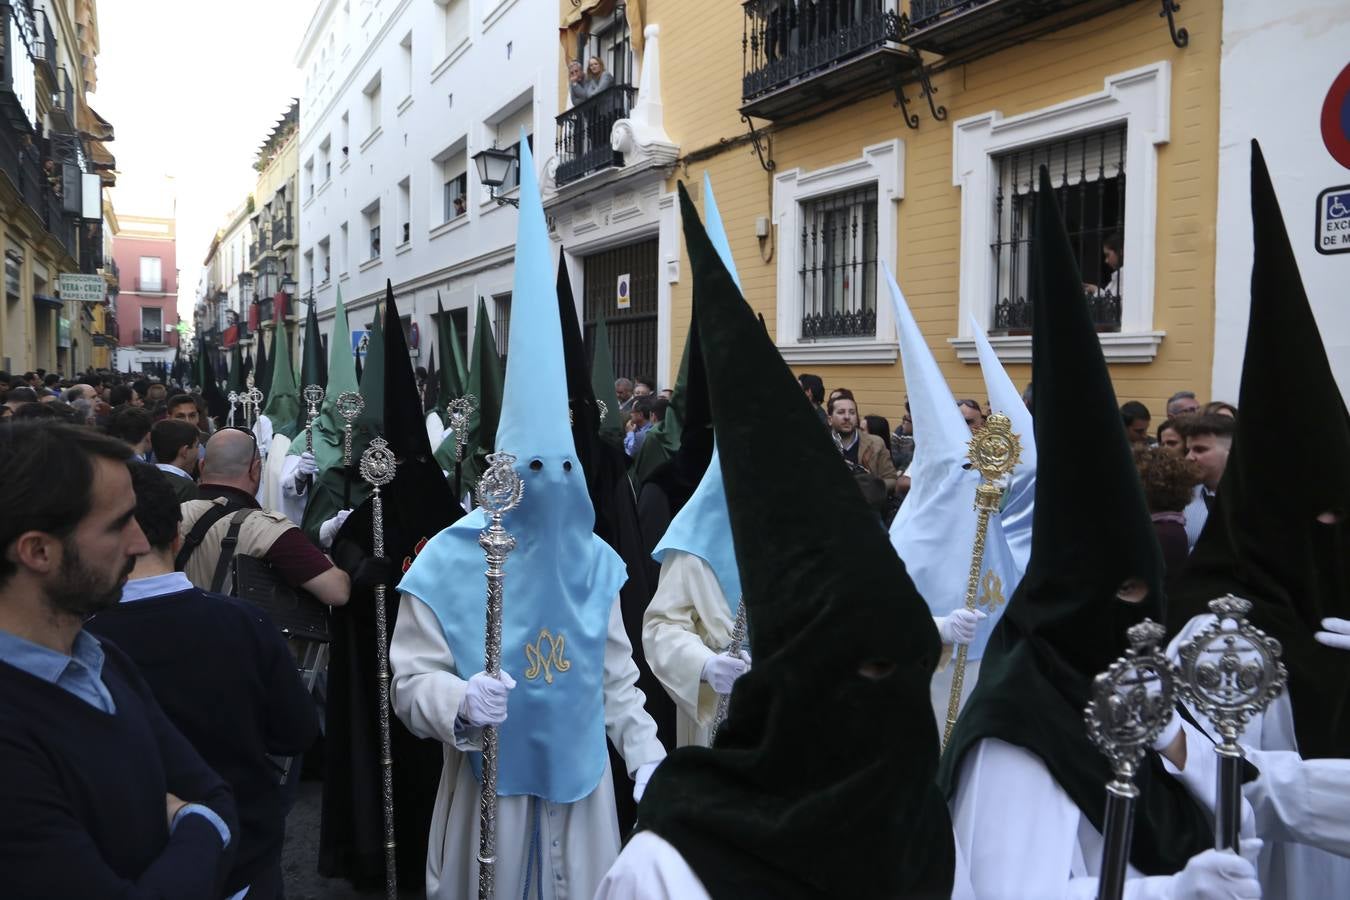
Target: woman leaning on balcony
597	79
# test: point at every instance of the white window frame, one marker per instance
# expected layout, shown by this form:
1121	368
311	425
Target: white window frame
1140	99
880	164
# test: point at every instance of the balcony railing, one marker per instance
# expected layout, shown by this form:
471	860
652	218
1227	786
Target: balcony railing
281	230
973	28
1014	316
44	52
149	285
796	53
152	336
18	72
63	99
583	145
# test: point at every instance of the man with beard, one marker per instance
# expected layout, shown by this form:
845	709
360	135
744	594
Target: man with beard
191	645
102	797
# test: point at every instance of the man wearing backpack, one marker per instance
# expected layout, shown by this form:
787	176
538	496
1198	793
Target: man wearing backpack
229	483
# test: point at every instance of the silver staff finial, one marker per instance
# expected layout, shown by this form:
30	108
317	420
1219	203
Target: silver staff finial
349	405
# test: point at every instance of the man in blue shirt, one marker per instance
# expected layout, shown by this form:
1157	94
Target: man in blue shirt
223	675
100	796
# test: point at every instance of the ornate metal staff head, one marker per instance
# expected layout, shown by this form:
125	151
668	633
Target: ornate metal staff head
1131	703
604	410
313	396
1231	670
349	406
253	398
234	398
993	451
460	409
500	488
378	464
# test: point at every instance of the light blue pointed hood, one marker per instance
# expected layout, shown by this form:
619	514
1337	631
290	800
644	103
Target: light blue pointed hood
702	527
934	531
1020	499
561	581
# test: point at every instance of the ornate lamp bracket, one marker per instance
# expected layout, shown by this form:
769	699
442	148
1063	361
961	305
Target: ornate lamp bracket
763	144
1180	36
926	90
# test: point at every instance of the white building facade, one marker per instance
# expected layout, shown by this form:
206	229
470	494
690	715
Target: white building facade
1280	62
399	95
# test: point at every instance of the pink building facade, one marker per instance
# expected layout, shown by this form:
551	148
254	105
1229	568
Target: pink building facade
147	305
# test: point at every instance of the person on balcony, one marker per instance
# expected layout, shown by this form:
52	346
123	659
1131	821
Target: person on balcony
1113	253
576	87
597	79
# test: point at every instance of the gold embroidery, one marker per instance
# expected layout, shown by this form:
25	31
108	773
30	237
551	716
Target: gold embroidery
992	597
546	662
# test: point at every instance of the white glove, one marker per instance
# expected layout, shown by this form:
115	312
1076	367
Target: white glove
1337	633
1219	875
329	529
640	779
958	627
484	700
722	669
307	468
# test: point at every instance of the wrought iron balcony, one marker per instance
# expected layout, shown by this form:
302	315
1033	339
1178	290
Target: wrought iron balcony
18	91
281	230
583	145
1014	316
265	310
972	28
799	53
63	98
152	336
44	51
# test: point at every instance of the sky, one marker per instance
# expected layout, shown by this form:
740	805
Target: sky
191	89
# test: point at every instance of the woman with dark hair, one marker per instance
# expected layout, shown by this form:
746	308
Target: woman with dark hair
1219	408
879	426
1168	481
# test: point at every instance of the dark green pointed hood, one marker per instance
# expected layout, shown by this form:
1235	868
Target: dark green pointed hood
486	382
1262	540
262	374
313	366
217	407
769	812
235	383
283	398
1091	534
663	440
602	384
454	376
371	421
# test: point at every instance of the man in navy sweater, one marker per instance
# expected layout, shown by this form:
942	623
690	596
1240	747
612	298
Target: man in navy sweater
100	796
223	675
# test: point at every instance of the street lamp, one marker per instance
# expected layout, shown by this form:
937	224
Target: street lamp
494	167
288	285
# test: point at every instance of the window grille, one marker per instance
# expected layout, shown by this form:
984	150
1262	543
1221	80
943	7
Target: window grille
838	270
1087	173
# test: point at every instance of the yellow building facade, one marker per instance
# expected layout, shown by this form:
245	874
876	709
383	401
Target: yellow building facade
837	178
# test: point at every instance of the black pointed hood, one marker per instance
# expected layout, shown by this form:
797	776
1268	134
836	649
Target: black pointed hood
679	476
766	812
313	365
262	375
1091	534
1263	540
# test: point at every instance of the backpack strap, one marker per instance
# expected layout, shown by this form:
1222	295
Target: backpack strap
227	549
198	533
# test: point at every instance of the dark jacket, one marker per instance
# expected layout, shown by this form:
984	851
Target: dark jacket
225	677
82	795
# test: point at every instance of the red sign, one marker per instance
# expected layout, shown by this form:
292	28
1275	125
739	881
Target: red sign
1336	118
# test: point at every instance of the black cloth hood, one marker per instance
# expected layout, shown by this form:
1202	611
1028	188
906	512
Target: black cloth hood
1091	534
1262	540
769	811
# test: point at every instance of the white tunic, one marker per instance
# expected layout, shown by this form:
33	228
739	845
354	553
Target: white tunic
1025	838
649	868
579	841
687	622
1300	805
290	504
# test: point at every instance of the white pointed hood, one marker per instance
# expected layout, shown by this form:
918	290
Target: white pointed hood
1021	497
934	530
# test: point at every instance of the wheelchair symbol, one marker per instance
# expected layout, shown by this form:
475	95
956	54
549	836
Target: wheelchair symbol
1337	209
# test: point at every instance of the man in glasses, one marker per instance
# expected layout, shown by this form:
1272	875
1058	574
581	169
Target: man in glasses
229	483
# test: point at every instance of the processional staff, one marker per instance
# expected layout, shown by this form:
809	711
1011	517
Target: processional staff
460	409
993	451
1230	672
734	650
378	469
499	491
313	396
350	405
253	400
1132	702
234	397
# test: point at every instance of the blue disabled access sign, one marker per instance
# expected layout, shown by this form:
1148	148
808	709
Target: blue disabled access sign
1333	220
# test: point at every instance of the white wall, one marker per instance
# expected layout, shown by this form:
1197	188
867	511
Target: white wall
464	80
1278	61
